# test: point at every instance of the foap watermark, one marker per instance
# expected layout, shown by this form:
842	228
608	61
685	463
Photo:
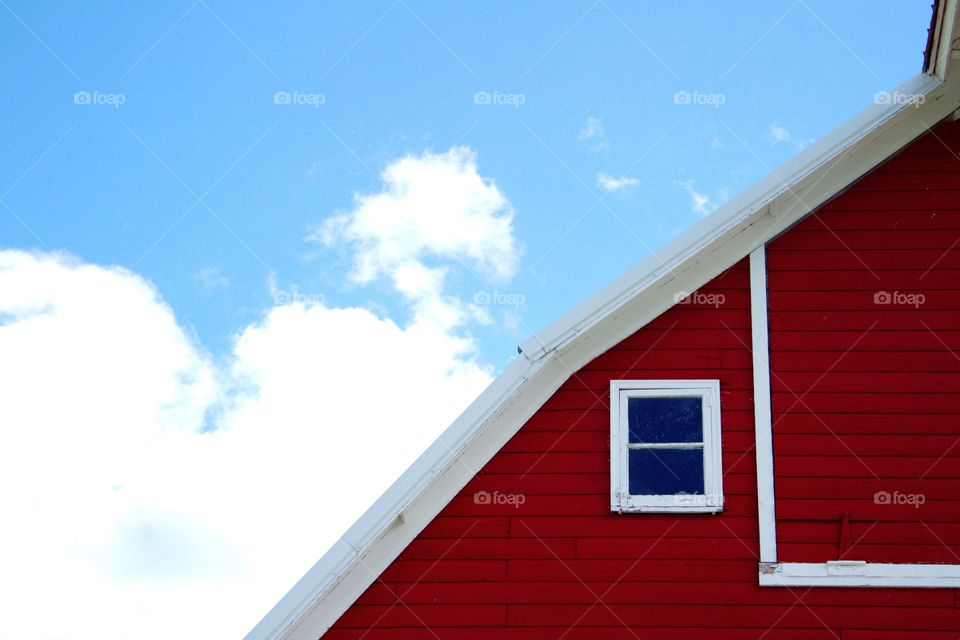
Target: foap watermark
291	297
489	298
898	98
699	98
513	499
899	298
699	298
296	98
897	498
498	98
99	99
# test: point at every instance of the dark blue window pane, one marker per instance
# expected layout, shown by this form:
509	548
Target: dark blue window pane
665	419
665	471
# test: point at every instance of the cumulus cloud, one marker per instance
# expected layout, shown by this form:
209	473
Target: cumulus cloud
611	184
433	206
152	490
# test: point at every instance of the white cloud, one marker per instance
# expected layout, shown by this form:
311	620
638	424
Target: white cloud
611	184
778	134
702	204
152	492
594	134
211	278
593	128
432	206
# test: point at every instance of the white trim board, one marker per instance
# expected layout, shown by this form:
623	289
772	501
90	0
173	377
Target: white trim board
846	573
713	245
840	573
762	413
943	34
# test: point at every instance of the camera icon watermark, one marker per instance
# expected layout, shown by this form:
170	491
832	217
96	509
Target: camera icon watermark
897	498
497	498
899	298
497	98
699	298
96	98
898	98
714	100
490	298
297	98
281	298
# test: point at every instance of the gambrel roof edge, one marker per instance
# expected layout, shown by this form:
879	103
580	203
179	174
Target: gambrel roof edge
711	246
943	41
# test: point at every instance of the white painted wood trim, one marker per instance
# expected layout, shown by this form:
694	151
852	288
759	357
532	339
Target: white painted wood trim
620	499
841	573
616	311
943	34
846	573
762	413
769	207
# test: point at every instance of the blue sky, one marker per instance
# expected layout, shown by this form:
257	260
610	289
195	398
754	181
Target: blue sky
397	78
197	185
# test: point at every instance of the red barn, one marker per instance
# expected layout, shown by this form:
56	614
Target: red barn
753	434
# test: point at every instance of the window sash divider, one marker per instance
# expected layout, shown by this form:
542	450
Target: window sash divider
665	445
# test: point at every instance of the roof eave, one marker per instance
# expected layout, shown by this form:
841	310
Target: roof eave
712	245
787	189
941	42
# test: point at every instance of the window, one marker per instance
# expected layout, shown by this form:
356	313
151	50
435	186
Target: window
665	446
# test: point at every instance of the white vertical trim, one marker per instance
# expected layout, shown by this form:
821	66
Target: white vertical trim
761	405
942	33
618	453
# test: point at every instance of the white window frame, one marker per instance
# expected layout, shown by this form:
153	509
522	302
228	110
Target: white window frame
621	500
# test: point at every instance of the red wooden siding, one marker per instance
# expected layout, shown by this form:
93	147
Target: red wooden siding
554	563
866	392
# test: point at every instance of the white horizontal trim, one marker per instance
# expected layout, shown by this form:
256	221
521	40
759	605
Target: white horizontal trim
701	504
847	573
677	387
664	445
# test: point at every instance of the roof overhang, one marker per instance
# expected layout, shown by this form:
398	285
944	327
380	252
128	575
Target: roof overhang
750	220
943	41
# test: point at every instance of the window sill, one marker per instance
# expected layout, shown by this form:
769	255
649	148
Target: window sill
671	506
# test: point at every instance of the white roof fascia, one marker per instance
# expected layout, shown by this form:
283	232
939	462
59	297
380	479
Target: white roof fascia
770	206
619	309
944	38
